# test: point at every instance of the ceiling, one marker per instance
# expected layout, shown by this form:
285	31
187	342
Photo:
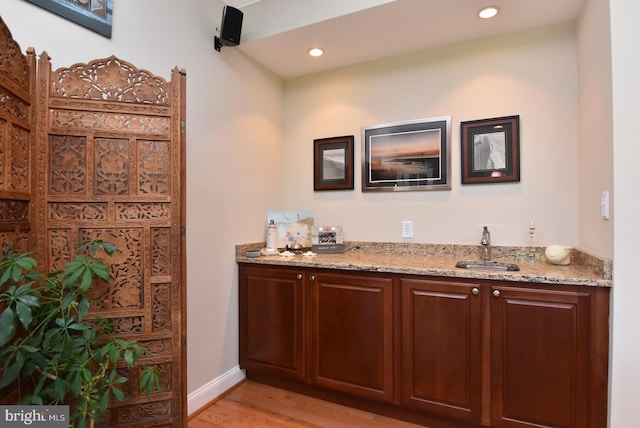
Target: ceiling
396	28
240	3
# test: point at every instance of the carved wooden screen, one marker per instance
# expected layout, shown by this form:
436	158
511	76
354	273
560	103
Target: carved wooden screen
17	87
110	166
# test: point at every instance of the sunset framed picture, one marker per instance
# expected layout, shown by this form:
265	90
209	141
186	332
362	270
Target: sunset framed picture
410	155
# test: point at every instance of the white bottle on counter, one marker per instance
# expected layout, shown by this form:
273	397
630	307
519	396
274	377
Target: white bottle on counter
272	236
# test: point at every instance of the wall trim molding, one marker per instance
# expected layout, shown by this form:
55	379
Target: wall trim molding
213	389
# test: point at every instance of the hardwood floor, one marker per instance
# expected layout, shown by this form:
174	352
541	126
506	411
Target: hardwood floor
255	405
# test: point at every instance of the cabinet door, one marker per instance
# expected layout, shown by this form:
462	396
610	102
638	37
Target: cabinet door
540	357
352	334
442	347
271	335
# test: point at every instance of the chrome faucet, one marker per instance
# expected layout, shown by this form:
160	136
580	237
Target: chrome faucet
486	244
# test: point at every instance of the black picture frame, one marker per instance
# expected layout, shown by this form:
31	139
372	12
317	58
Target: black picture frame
490	150
333	163
96	15
409	155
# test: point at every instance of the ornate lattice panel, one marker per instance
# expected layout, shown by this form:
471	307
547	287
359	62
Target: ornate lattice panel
17	88
68	158
110	79
13	63
13	210
19	166
112	144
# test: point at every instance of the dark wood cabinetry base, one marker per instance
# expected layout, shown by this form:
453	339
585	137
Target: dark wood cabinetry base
436	351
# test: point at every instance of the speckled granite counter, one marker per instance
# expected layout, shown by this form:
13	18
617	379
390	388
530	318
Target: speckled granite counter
440	260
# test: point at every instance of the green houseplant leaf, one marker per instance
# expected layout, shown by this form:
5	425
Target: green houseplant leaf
7	325
64	357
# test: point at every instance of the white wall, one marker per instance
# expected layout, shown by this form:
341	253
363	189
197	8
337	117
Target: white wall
233	144
531	74
596	128
625	370
263	19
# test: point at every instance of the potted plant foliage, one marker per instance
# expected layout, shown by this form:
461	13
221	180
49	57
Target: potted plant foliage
49	351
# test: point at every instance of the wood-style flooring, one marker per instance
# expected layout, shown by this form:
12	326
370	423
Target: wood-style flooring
252	405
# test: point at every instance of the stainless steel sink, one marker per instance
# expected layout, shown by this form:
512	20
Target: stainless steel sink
487	265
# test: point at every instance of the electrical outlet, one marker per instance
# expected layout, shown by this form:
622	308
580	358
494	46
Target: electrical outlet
407	229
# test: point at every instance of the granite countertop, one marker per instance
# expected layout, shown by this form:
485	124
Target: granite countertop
439	260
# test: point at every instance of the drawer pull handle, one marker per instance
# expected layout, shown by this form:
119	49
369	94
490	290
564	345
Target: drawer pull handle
496	293
299	276
312	278
475	291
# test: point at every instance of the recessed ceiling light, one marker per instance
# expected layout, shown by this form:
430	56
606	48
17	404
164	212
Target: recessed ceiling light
488	12
316	52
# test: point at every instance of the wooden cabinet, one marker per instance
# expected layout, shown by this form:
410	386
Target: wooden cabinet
352	334
271	321
540	357
333	330
432	350
442	347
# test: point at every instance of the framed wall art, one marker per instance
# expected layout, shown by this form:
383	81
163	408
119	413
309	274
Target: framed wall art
94	14
490	150
333	163
411	155
292	227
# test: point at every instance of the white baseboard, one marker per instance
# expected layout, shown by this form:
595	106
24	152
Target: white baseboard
213	389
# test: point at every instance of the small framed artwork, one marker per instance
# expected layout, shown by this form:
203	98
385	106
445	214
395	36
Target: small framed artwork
93	14
333	163
411	155
292	227
327	239
490	150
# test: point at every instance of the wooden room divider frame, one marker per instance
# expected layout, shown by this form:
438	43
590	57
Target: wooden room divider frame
106	161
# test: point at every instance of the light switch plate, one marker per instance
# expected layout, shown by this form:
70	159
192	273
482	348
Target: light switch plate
604	205
407	229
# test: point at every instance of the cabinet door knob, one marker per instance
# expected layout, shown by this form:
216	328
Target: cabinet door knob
299	276
475	291
312	278
496	293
